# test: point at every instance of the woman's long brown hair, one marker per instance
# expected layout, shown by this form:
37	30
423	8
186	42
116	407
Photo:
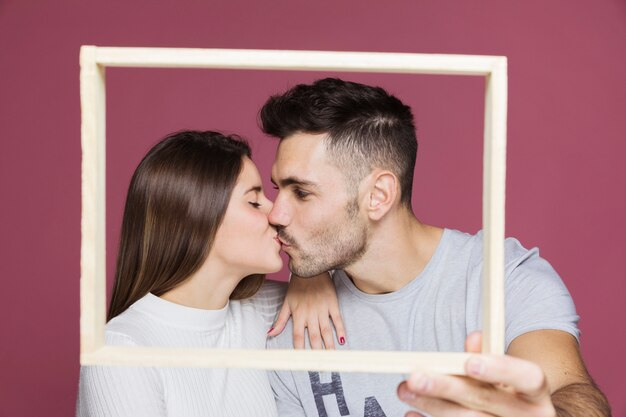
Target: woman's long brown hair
176	201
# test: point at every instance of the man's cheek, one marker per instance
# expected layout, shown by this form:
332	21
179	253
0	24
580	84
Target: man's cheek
319	214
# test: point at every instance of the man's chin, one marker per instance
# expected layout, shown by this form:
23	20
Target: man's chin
301	272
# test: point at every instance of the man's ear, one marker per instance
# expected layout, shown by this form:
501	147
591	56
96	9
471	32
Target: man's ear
382	194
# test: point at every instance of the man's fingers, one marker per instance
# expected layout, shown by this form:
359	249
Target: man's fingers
335	315
281	321
414	414
470	394
434	406
525	377
474	342
521	376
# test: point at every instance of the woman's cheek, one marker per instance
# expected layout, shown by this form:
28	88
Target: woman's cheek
261	220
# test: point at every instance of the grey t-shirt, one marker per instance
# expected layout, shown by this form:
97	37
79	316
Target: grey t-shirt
434	312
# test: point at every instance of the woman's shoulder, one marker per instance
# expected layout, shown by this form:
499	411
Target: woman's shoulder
133	327
270	295
124	330
265	303
271	289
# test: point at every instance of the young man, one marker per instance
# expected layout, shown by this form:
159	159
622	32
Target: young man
344	170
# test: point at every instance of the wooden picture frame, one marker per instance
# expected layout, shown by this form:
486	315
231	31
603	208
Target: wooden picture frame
94	60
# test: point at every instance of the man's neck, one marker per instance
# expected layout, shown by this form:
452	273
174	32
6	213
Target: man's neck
399	250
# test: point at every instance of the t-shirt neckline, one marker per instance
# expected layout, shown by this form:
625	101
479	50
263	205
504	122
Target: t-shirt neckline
180	315
410	287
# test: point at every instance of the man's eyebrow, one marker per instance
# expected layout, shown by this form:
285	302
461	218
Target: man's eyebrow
286	182
256	188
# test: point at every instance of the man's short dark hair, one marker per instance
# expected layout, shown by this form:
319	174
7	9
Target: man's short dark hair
367	127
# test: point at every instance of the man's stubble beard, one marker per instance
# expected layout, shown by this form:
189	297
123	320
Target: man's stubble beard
336	246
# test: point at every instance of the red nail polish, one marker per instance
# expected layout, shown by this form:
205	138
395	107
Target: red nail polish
270	330
342	340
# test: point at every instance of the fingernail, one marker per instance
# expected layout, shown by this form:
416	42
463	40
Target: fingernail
407	395
421	382
342	340
270	330
476	366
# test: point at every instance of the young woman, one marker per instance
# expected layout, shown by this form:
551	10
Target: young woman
195	244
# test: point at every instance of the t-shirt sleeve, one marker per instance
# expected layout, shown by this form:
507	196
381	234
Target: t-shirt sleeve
119	391
287	401
536	297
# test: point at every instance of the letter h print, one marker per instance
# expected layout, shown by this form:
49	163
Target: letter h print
328	388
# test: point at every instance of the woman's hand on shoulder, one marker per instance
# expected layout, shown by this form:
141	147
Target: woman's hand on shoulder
313	304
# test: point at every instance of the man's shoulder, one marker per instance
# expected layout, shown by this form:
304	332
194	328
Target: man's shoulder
473	244
456	241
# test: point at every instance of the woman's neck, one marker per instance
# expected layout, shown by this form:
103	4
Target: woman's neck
208	288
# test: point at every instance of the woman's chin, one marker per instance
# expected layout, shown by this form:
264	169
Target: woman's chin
271	263
278	265
269	267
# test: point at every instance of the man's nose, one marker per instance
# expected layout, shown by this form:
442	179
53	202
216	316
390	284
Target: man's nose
279	215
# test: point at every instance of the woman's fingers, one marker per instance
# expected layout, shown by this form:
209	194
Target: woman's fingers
327	332
315	336
281	321
312	304
298	333
335	315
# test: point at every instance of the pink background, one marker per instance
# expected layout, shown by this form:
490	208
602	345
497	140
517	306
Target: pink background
567	117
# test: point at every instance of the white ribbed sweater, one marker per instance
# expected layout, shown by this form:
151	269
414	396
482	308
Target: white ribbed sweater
186	392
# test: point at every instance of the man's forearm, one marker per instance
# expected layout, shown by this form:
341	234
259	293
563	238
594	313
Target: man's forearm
580	400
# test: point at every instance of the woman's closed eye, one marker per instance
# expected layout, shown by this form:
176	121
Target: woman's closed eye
254	204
